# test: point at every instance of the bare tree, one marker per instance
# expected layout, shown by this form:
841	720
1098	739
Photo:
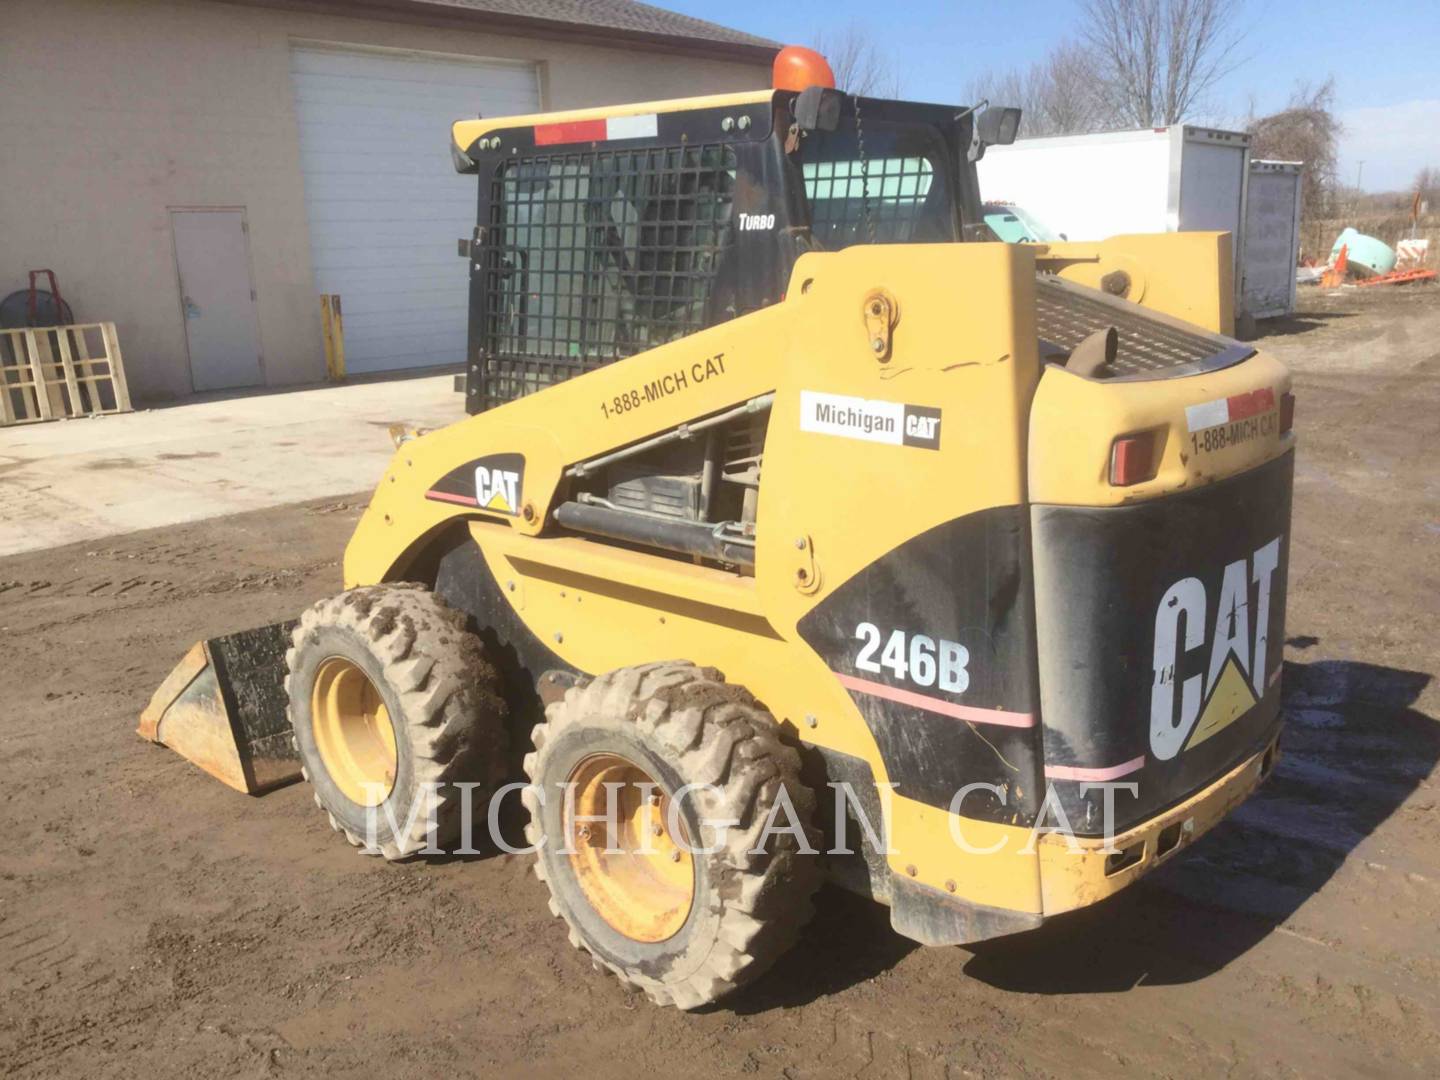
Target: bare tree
1158	58
1306	130
859	65
1427	184
1058	95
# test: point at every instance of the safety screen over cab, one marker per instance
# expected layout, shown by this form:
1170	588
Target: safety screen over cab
595	256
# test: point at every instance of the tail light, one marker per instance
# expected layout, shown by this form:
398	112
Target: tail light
1287	412
1132	459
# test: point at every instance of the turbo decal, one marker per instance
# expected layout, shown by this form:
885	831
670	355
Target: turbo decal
870	420
1234	678
494	483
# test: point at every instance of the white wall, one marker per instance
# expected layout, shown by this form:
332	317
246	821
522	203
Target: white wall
114	111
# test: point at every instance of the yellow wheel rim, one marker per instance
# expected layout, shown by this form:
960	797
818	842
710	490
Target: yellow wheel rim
353	732
645	884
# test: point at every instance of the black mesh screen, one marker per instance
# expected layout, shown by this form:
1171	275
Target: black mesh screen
598	255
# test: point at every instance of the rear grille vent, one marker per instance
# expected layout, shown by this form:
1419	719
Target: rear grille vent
1151	345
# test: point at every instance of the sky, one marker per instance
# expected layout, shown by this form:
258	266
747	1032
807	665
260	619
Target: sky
1384	54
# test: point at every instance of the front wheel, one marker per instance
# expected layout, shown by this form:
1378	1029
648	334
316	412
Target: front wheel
393	704
674	832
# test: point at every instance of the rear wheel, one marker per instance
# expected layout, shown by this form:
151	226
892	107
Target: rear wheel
658	894
393	703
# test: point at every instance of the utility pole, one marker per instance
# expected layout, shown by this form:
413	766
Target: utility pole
1359	169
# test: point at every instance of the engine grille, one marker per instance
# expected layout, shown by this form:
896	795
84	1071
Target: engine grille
1151	346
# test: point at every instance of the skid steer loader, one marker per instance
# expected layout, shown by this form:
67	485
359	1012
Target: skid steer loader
798	530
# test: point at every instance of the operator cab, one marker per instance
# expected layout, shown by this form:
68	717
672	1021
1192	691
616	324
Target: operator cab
606	232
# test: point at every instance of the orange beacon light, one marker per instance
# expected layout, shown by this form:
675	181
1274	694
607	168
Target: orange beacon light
797	67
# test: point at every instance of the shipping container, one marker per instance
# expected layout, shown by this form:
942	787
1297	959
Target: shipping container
1272	237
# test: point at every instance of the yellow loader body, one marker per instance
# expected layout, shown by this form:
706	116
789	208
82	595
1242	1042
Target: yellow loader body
1013	434
997	534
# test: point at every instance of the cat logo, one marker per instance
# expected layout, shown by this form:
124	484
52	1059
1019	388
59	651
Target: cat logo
494	483
1228	681
922	428
497	489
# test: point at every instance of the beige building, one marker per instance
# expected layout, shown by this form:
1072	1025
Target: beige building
199	172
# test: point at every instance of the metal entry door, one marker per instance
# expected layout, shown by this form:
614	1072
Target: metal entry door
212	256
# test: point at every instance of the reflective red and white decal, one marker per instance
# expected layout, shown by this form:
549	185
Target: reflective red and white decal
1229	409
608	129
971	713
1094	776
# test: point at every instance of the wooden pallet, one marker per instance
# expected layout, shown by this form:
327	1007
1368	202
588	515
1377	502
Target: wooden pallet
59	372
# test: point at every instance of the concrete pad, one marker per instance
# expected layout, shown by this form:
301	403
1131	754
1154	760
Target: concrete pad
72	480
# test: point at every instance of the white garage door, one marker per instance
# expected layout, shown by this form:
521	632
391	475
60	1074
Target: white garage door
384	202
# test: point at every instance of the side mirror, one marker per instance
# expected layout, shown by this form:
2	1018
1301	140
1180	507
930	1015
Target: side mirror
818	108
996	126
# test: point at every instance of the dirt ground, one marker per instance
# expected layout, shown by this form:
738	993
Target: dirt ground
152	922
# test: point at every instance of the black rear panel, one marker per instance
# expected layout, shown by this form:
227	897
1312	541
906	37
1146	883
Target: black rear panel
935	643
1160	629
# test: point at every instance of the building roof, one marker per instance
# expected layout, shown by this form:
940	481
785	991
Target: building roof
623	15
601	22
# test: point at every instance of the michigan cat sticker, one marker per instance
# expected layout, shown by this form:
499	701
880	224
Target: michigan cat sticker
494	483
870	420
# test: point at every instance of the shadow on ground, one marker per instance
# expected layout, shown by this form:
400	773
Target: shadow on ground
848	942
1353	751
1299	323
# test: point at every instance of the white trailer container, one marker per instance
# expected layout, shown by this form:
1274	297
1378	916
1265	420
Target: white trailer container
1091	187
1272	237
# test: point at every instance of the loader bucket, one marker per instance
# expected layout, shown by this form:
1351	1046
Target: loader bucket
224	708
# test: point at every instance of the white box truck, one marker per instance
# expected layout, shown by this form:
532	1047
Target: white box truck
1272	237
1090	187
